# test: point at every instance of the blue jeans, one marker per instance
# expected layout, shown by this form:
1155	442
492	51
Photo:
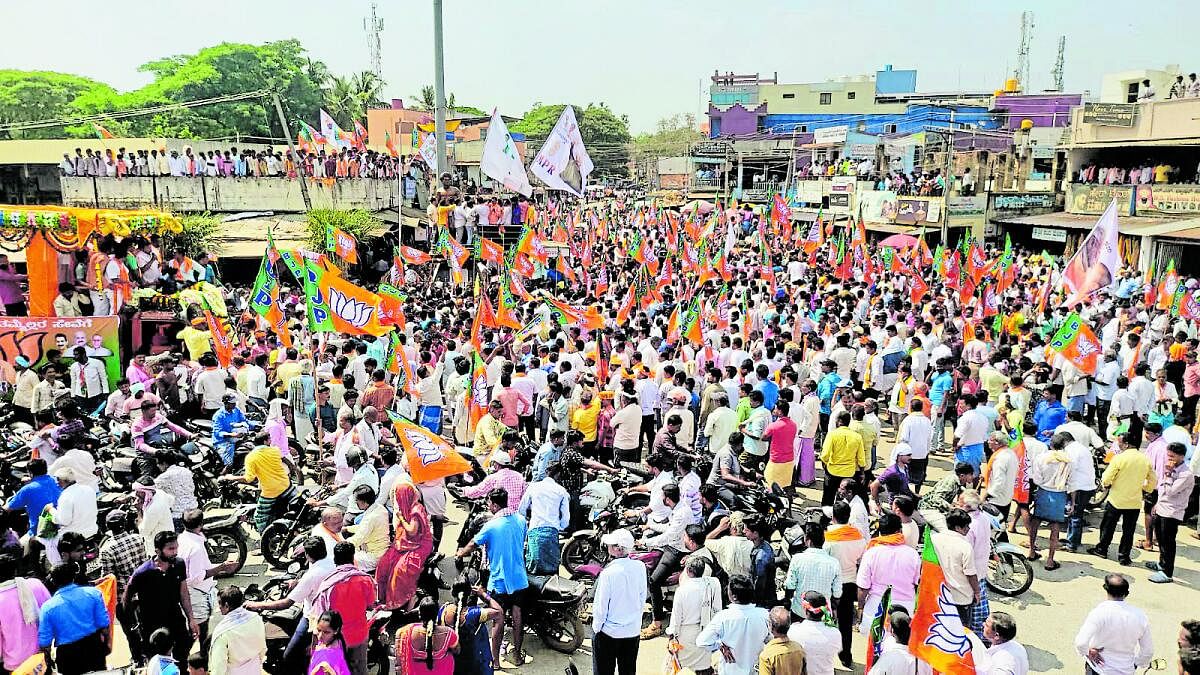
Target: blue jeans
1075	520
296	652
1075	403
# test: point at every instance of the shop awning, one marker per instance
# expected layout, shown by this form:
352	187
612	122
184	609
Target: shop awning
1076	221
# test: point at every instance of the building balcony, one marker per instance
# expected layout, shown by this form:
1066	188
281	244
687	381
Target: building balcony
1150	123
228	194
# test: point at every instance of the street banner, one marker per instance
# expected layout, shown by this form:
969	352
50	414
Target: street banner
563	163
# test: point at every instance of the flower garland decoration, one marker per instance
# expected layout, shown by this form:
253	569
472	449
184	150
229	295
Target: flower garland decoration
18	227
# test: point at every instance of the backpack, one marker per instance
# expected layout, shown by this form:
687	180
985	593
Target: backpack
891	362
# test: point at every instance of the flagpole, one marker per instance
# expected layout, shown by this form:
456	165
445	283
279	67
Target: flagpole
439	87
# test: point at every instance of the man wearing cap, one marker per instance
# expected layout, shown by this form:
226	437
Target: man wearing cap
27	380
502	476
893	480
228	425
620	600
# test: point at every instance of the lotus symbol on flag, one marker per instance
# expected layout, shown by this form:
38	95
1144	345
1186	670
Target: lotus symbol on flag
353	312
947	633
479	395
427	451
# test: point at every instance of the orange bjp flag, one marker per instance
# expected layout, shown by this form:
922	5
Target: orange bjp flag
345	246
353	309
490	251
938	636
429	456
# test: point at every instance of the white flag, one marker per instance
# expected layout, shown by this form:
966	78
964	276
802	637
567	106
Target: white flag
332	132
1095	265
563	163
500	161
428	150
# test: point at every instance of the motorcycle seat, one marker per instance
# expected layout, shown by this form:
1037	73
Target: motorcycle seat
556	588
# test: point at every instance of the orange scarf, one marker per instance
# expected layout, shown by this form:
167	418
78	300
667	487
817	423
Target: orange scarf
843	533
896	539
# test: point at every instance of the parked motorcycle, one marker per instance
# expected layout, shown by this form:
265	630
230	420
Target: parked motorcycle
554	613
226	538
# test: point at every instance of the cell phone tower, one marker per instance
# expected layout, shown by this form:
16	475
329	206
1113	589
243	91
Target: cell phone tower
1022	71
1059	63
373	25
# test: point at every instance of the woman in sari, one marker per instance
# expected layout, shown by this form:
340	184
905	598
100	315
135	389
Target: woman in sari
276	426
329	653
398	569
426	648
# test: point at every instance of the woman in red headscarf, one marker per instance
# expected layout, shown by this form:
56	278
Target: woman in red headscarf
400	566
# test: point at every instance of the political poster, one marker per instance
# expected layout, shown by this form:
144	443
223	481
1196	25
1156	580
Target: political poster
43	340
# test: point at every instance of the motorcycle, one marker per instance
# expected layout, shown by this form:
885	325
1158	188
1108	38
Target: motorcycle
282	536
553	615
226	538
1009	572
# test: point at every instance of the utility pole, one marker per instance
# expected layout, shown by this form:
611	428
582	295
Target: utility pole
287	134
439	88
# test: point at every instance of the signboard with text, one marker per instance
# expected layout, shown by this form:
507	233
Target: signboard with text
1168	199
830	135
1049	234
1093	199
1019	202
1109	114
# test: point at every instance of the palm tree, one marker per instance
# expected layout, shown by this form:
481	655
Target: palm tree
427	99
368	88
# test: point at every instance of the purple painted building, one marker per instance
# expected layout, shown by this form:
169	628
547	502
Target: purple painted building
735	120
1044	110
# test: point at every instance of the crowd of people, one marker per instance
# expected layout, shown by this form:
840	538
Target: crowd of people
1147	172
337	163
919	425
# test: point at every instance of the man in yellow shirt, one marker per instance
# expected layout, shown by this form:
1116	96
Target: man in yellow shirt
488	432
782	655
583	420
843	455
198	342
1127	478
265	465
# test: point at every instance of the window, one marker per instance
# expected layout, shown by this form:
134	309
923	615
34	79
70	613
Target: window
850	96
803	129
889	128
789	96
826	98
483	134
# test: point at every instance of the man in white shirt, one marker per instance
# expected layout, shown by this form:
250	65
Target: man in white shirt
917	431
1007	655
200	570
971	433
546	507
821	643
957	558
1081	484
89	381
1115	637
620	599
739	631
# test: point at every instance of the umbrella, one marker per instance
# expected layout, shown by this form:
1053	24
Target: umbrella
899	241
700	206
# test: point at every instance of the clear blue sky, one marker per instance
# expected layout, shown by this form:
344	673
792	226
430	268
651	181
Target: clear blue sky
645	58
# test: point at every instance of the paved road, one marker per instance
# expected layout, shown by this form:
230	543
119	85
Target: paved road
1048	615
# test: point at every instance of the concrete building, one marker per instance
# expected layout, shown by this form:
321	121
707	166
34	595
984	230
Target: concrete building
1124	86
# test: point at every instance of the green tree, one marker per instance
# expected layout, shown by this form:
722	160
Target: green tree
605	134
348	98
32	96
673	137
224	69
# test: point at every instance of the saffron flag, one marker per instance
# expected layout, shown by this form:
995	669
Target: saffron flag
342	244
414	256
429	456
360	135
1076	341
490	251
501	162
532	246
506	305
391	306
1167	285
101	132
218	328
347	308
390	145
1095	265
938	636
477	387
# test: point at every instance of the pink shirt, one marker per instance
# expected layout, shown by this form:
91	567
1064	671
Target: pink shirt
1191	380
514	403
895	566
781	435
18	640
